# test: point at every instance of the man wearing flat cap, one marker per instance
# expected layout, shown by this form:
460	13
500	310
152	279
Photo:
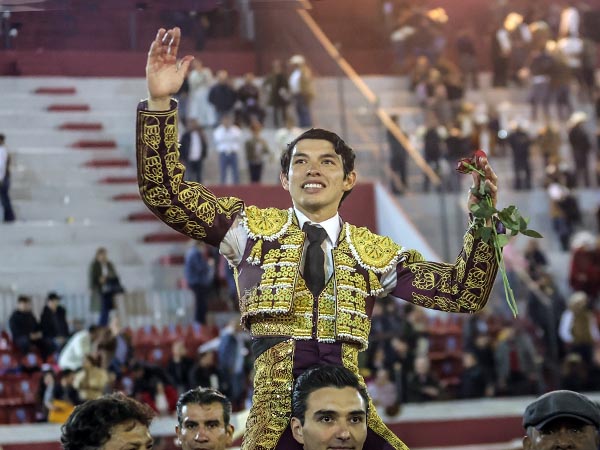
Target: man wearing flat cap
562	420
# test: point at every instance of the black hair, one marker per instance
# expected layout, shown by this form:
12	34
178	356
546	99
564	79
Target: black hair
203	396
89	426
340	147
321	377
23	299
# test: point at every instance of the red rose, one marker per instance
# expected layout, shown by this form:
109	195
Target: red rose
479	154
465	165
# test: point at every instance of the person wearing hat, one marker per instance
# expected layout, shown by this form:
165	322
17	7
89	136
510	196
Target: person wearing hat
562	420
302	90
580	146
55	329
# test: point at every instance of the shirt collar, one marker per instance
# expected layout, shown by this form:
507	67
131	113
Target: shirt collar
332	226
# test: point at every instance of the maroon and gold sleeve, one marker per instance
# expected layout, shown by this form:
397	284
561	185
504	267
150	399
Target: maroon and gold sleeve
462	287
187	207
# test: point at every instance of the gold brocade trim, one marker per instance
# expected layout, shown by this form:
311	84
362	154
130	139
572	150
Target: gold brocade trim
374	422
455	288
373	252
189	208
272	400
268	223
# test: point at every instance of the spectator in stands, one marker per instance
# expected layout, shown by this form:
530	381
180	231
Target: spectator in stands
382	390
473	380
151	386
179	367
9	214
286	134
398	161
584	271
302	90
55	329
222	96
248	95
500	53
562	420
329	409
200	80
123	349
91	381
257	151
25	328
580	147
278	94
467	58
433	141
78	346
233	364
520	144
64	397
110	422
573	374
561	216
536	258
203	420
422	384
228	140
205	371
193	150
517	362
578	327
199	271
104	283
548	142
540	74
45	393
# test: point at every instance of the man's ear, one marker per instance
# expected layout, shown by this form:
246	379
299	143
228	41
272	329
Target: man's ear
178	439
229	429
284	181
297	430
350	181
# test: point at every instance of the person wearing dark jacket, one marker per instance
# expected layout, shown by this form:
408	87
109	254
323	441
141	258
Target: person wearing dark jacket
520	144
55	329
580	146
104	284
222	96
25	328
193	150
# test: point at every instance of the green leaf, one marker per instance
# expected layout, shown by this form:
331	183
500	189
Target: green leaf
522	224
502	240
484	233
532	233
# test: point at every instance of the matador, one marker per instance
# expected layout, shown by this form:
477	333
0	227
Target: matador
294	325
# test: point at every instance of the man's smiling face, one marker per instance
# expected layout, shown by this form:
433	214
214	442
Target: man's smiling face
316	179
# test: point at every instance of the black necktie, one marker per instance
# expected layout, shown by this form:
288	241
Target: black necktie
314	273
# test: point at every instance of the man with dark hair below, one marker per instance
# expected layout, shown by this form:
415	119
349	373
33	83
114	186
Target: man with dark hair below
305	300
111	422
562	420
329	409
203	417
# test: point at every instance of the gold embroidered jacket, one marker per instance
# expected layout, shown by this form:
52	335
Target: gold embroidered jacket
274	298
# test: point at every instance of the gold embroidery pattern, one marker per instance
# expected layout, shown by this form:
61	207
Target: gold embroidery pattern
272	400
151	132
152	170
268	223
373	252
462	287
374	422
187	207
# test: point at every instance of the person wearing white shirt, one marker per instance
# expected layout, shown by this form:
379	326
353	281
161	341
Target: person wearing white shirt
228	141
9	214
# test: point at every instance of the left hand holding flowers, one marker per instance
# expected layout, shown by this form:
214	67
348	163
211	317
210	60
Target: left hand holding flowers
482	204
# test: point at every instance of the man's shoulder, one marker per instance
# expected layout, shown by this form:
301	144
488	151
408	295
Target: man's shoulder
266	223
372	251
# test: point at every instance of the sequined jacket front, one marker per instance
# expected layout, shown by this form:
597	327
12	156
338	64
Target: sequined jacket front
274	298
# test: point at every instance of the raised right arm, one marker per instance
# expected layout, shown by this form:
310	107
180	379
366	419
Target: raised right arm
187	207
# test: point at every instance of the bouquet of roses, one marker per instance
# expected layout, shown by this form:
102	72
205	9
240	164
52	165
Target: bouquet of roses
488	217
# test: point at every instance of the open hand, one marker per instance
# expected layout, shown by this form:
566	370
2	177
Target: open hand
164	74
